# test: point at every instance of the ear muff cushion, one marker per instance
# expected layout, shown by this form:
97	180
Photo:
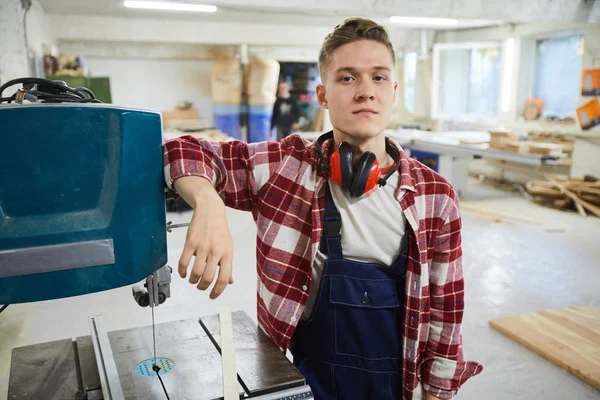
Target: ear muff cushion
345	164
363	173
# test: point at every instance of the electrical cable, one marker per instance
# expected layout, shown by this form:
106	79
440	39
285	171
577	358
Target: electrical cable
47	91
4	307
156	368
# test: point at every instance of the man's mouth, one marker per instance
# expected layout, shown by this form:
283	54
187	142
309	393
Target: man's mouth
365	111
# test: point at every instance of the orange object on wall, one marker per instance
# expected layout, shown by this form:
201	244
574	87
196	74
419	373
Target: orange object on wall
533	109
590	82
588	114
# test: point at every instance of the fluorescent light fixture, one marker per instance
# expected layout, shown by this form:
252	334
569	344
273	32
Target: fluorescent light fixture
171	6
424	21
509	53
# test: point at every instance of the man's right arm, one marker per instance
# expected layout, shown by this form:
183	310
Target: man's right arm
235	169
209	176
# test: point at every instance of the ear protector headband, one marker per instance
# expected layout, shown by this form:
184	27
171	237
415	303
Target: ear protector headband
367	174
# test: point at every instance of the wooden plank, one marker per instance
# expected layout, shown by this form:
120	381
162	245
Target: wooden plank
577	200
500	216
568	337
228	356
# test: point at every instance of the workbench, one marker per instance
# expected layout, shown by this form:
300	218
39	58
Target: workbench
67	369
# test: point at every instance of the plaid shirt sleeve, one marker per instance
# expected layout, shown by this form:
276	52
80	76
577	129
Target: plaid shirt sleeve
235	168
443	369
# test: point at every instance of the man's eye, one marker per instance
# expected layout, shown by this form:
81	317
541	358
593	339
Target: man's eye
347	79
379	78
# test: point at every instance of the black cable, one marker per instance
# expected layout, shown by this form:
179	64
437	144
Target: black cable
156	368
48	91
4	307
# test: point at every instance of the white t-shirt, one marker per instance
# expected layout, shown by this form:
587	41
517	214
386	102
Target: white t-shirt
372	230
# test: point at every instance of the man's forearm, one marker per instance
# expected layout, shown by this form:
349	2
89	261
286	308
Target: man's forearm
431	397
194	188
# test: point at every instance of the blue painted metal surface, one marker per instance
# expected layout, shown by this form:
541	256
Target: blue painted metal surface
259	123
77	173
227	119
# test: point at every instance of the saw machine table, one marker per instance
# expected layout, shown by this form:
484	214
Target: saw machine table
67	369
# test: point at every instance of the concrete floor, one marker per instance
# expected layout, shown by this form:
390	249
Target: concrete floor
530	259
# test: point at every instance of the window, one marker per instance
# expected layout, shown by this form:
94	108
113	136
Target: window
410	75
466	79
558	73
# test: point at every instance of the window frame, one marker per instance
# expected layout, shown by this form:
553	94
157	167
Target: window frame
435	83
403	60
532	68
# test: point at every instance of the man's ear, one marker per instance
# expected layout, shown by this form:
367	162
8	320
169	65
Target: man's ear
395	91
322	96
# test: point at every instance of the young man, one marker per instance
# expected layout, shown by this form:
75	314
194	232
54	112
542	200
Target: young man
285	112
359	269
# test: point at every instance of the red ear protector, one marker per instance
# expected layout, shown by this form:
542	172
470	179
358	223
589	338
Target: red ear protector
367	174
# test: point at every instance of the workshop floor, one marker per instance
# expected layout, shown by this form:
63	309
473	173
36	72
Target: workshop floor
528	258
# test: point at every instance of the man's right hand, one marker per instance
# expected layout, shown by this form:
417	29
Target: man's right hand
208	237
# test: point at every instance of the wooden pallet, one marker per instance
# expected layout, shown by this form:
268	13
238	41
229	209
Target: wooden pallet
568	337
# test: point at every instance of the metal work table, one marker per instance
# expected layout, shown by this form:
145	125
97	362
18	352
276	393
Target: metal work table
465	151
66	369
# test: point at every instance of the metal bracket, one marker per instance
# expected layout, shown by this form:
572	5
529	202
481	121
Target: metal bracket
107	369
158	288
171	226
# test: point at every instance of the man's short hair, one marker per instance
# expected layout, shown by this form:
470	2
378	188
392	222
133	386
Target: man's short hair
352	30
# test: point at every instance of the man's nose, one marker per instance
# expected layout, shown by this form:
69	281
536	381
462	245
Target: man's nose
365	92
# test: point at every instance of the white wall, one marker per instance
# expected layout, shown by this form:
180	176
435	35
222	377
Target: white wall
13	59
157	84
178	31
39	36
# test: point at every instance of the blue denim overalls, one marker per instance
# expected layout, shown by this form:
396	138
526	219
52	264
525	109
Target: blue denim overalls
351	347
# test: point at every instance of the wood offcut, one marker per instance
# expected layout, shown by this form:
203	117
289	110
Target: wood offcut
568	337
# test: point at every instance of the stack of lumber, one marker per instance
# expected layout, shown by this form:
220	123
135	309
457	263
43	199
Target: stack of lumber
544	144
499	138
582	195
565	142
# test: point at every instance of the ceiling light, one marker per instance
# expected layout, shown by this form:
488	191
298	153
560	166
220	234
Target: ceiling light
171	6
424	21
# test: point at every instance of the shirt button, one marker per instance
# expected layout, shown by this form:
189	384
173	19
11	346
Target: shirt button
293	319
305	288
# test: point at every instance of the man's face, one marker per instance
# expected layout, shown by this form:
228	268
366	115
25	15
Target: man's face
359	89
283	89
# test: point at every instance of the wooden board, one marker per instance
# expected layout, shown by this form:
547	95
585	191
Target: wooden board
230	382
568	337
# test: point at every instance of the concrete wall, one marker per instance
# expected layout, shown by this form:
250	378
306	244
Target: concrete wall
13	55
13	37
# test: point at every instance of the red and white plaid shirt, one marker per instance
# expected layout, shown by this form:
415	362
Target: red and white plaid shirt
282	184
